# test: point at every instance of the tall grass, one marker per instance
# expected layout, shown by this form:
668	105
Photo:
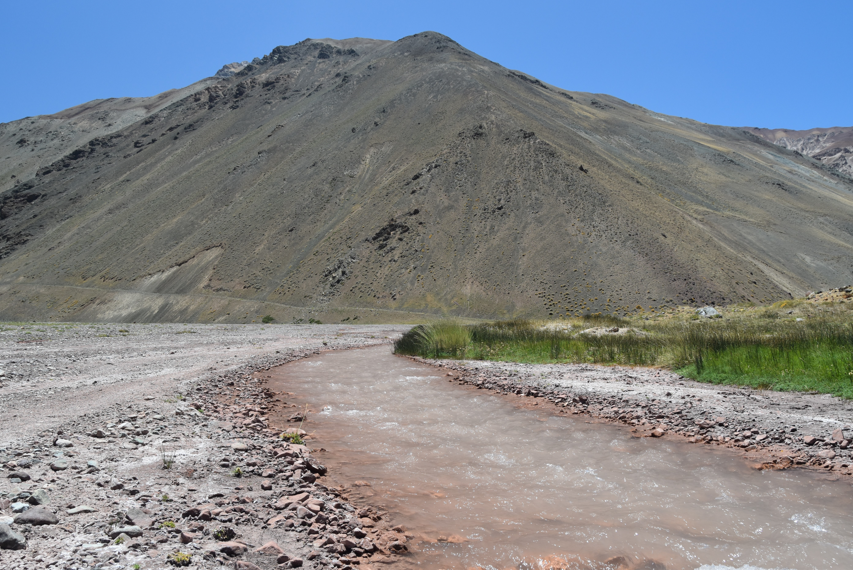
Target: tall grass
443	339
779	354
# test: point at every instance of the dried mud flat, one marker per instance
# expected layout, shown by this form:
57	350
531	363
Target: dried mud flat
124	445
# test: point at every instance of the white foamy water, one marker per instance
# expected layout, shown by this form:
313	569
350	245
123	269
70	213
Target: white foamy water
526	489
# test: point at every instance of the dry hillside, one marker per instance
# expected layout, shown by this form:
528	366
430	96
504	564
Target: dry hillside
334	179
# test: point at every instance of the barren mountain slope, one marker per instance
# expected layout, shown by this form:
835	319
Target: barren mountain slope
414	176
833	146
32	142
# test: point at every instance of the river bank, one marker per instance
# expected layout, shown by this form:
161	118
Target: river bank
775	430
140	446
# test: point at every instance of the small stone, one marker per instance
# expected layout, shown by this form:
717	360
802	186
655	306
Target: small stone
239	446
271	548
838	435
19	507
232	548
99	433
827	454
296	563
243	565
303	513
131	531
140	518
187	537
761	437
11	540
657	432
80	510
59	464
809	440
36	516
282	558
92	466
39	497
63	443
266	486
21	475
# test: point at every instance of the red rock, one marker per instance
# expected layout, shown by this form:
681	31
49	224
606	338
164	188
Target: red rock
276	519
827	454
266	486
809	440
657	432
187	537
271	548
232	548
205	515
282	558
761	437
303	513
838	435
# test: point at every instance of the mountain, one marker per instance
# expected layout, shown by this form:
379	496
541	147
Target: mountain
833	146
374	179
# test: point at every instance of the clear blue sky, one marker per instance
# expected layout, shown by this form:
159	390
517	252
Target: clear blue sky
741	63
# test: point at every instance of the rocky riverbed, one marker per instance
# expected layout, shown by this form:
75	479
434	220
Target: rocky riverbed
148	446
153	446
777	430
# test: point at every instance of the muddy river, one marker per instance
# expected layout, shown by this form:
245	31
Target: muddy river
519	488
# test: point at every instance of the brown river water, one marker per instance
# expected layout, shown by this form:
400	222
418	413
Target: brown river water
527	489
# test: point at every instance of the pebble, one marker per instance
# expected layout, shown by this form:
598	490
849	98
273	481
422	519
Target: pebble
59	464
80	510
131	531
231	548
39	497
19	507
11	540
36	516
63	443
20	475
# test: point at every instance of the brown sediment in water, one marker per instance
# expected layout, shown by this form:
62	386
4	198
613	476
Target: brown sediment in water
431	541
815	448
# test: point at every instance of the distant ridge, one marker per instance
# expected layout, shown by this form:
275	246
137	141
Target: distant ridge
832	146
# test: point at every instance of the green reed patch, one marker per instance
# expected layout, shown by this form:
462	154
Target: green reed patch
766	353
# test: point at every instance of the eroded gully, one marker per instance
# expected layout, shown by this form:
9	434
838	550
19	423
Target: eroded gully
484	483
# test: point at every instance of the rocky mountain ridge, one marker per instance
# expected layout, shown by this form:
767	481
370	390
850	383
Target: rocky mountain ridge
335	179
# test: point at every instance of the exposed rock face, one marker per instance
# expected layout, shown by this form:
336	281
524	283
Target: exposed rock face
230	69
833	146
415	175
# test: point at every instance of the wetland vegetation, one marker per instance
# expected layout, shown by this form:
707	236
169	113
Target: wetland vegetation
792	345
